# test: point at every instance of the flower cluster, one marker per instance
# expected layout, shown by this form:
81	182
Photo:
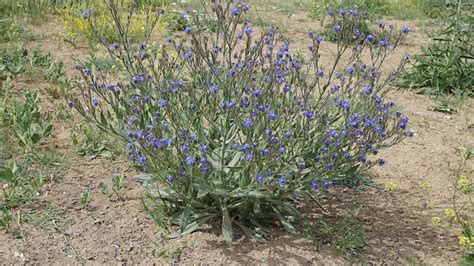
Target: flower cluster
234	125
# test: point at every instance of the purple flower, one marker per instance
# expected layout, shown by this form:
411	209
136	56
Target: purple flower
384	43
367	90
320	73
114	46
189	160
249	157
87	71
170	178
370	37
281	150
216	49
85	15
162	102
188	29
95	102
338	28
188	55
314	185
282	181
328	166
309	114
405	30
272	115
259	179
288	134
247	123
213	88
138	79
381	162
325	184
235	11
265	152
184	148
380	23
204	148
248	31
350	70
319	39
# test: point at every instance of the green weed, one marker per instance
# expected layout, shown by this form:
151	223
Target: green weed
447	65
85	198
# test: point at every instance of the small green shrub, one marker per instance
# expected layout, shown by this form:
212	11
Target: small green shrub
234	126
447	65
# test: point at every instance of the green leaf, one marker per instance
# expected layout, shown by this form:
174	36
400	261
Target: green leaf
251	233
21	140
226	224
286	224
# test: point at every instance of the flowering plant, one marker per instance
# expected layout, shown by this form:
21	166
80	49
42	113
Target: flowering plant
236	128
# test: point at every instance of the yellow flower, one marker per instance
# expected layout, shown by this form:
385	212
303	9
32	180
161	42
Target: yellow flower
464	241
391	186
449	213
426	184
463	182
436	220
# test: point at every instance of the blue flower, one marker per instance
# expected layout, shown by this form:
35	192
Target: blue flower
320	73
328	166
325	184
282	181
188	55
162	102
381	162
249	157
216	49
380	23
265	152
350	70
248	31
281	150
204	168
184	148
170	178
204	148
406	30
334	182
301	166
383	43
319	39
338	28
85	15
259	179
370	37
247	123
87	71
367	90
288	134
188	29
213	88
235	11
138	79
314	185
246	147
189	160
141	160
309	114
95	102
272	115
